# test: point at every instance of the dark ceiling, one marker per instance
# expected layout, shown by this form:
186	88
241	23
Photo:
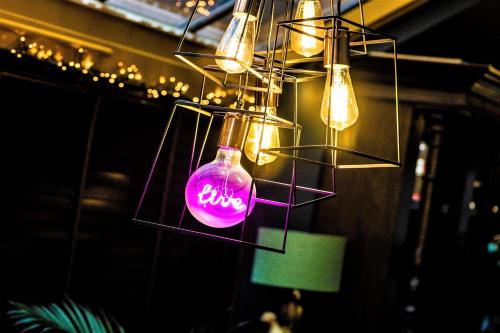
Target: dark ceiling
473	33
466	29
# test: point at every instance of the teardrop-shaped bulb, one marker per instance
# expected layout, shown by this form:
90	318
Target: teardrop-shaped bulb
217	193
339	108
304	44
270	138
238	42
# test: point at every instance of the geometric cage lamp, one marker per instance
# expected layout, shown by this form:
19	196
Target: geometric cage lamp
222	200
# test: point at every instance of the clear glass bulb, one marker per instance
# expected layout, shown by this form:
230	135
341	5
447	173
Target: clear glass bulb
303	44
270	138
238	42
217	193
339	100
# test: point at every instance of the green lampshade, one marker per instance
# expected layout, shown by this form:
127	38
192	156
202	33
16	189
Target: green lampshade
311	262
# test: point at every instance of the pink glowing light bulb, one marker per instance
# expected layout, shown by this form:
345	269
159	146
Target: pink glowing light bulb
217	193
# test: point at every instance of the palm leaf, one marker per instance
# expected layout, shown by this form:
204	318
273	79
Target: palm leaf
67	317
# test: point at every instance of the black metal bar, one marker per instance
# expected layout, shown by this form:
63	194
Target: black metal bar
83	180
295	135
190	171
303	32
203	55
291	199
290	157
344	150
262	7
306	203
302	188
269	35
205	235
221	110
334	161
181	41
330	17
209	126
155	161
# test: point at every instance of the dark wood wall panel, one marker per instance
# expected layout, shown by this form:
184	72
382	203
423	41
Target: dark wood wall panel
366	212
45	143
44	134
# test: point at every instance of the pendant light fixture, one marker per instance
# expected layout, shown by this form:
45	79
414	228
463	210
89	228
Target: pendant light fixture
235	53
217	193
230	198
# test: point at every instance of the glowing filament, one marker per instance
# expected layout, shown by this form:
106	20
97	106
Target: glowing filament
339	108
222	197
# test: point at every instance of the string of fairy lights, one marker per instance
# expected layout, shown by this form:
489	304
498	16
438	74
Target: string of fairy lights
82	61
204	6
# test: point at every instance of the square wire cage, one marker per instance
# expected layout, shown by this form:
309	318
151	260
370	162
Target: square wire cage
260	60
275	68
278	193
363	39
277	55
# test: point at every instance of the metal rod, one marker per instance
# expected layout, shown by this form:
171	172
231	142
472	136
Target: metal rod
205	138
334	162
345	150
296	135
181	41
269	35
193	149
362	16
155	161
215	15
302	188
204	235
262	6
329	17
271	202
396	92
306	203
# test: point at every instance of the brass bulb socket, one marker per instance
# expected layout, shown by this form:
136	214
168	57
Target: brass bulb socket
336	47
234	130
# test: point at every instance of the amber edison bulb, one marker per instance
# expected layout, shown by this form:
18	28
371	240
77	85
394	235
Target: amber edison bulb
238	42
270	138
304	44
339	109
